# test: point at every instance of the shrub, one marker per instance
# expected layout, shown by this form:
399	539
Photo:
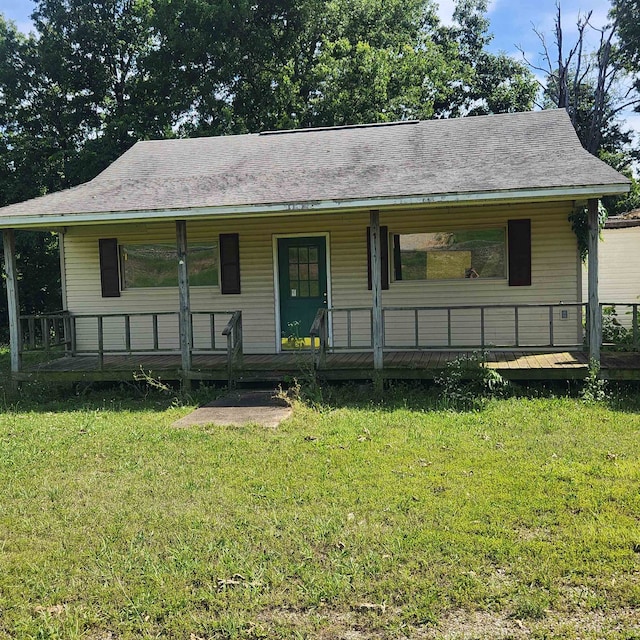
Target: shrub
466	382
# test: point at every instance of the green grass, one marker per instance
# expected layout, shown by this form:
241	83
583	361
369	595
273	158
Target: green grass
114	524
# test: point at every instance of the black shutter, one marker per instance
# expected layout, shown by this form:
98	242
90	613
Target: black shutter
520	253
384	257
397	258
109	267
229	263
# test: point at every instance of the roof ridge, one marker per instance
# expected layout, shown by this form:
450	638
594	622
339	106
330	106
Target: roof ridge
275	132
366	125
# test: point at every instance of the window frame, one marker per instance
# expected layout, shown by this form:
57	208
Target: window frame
503	277
215	244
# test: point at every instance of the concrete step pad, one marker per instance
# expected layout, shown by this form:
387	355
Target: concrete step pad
238	408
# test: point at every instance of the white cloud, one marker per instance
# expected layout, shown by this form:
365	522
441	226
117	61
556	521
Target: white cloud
446	8
445	11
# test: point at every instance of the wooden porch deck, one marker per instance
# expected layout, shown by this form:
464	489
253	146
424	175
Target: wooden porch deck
407	365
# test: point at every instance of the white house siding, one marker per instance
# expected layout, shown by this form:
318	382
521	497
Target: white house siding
619	270
619	266
555	278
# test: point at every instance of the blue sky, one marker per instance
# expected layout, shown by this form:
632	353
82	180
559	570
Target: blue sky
512	23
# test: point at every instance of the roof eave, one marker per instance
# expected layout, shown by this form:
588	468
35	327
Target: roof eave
320	206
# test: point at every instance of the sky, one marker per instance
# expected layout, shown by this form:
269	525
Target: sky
512	24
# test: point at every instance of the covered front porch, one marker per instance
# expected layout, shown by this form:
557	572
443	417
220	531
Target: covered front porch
521	342
522	339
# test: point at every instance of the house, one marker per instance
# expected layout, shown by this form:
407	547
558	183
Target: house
619	270
407	236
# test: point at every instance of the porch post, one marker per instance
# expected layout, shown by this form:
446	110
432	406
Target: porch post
13	300
376	292
185	305
594	321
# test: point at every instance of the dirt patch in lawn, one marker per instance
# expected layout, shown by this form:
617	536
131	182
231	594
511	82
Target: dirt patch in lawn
454	625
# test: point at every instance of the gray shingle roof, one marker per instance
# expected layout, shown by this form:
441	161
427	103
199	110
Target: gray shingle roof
485	154
624	220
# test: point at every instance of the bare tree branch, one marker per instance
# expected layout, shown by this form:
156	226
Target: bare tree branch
591	83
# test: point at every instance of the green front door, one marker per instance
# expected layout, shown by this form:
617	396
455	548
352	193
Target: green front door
302	278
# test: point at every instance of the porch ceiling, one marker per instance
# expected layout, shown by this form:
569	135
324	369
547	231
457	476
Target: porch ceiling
506	157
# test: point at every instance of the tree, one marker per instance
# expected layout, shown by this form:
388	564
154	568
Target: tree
293	63
98	55
596	88
593	85
377	61
625	14
487	83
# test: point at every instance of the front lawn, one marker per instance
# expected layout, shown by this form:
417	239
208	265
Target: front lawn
355	520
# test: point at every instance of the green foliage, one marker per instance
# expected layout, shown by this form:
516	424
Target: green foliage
38	265
487	82
467	382
594	389
629	202
579	220
293	339
118	71
626	13
615	334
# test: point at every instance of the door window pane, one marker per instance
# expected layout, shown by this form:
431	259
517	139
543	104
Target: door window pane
304	272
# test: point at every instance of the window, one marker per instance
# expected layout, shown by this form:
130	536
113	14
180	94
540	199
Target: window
155	265
304	272
477	253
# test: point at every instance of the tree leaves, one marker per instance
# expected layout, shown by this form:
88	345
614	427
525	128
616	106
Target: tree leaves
101	75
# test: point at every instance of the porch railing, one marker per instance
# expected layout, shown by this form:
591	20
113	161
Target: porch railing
620	328
42	332
449	327
133	333
233	333
319	334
